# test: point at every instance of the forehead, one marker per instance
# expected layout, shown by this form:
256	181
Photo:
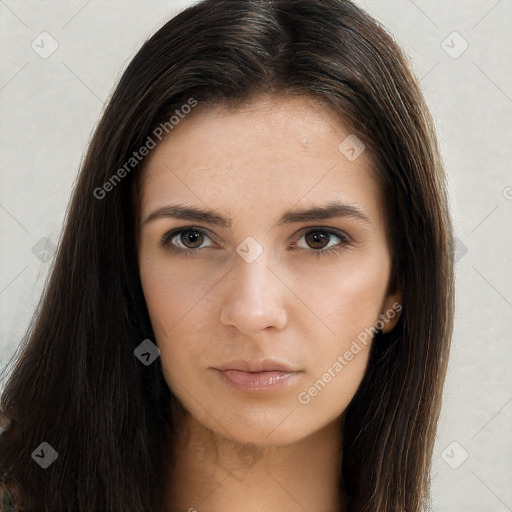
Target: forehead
283	123
272	151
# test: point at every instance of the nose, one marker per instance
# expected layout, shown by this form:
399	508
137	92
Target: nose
253	298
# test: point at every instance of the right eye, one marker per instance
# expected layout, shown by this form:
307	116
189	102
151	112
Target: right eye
185	241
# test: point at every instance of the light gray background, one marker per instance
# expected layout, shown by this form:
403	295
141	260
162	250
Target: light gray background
50	106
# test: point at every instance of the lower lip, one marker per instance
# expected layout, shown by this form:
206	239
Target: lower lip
258	381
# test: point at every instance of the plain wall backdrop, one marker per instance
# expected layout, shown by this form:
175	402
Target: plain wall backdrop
60	61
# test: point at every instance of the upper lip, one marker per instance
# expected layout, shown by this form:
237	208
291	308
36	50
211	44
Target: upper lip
262	365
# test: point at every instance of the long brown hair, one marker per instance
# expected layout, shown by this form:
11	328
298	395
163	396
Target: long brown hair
77	385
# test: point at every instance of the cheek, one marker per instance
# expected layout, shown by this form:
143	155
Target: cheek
350	306
170	293
161	298
356	294
177	306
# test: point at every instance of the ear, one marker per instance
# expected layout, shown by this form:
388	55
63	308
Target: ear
392	307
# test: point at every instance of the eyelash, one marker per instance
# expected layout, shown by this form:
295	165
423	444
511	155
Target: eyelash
166	241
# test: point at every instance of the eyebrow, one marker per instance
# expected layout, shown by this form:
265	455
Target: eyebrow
314	213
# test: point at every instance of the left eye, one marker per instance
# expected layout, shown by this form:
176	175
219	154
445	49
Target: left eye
316	239
188	241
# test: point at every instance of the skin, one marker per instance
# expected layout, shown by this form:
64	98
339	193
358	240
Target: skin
261	451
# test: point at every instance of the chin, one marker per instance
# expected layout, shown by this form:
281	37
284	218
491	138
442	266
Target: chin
264	429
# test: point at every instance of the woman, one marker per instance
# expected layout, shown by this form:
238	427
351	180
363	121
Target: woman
191	352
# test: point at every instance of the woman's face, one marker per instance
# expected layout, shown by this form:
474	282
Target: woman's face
263	313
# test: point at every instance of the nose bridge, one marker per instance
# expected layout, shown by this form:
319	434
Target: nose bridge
253	299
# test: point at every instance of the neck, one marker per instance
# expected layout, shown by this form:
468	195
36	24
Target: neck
210	473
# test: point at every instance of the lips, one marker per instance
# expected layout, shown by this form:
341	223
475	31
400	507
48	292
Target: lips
265	365
258	376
